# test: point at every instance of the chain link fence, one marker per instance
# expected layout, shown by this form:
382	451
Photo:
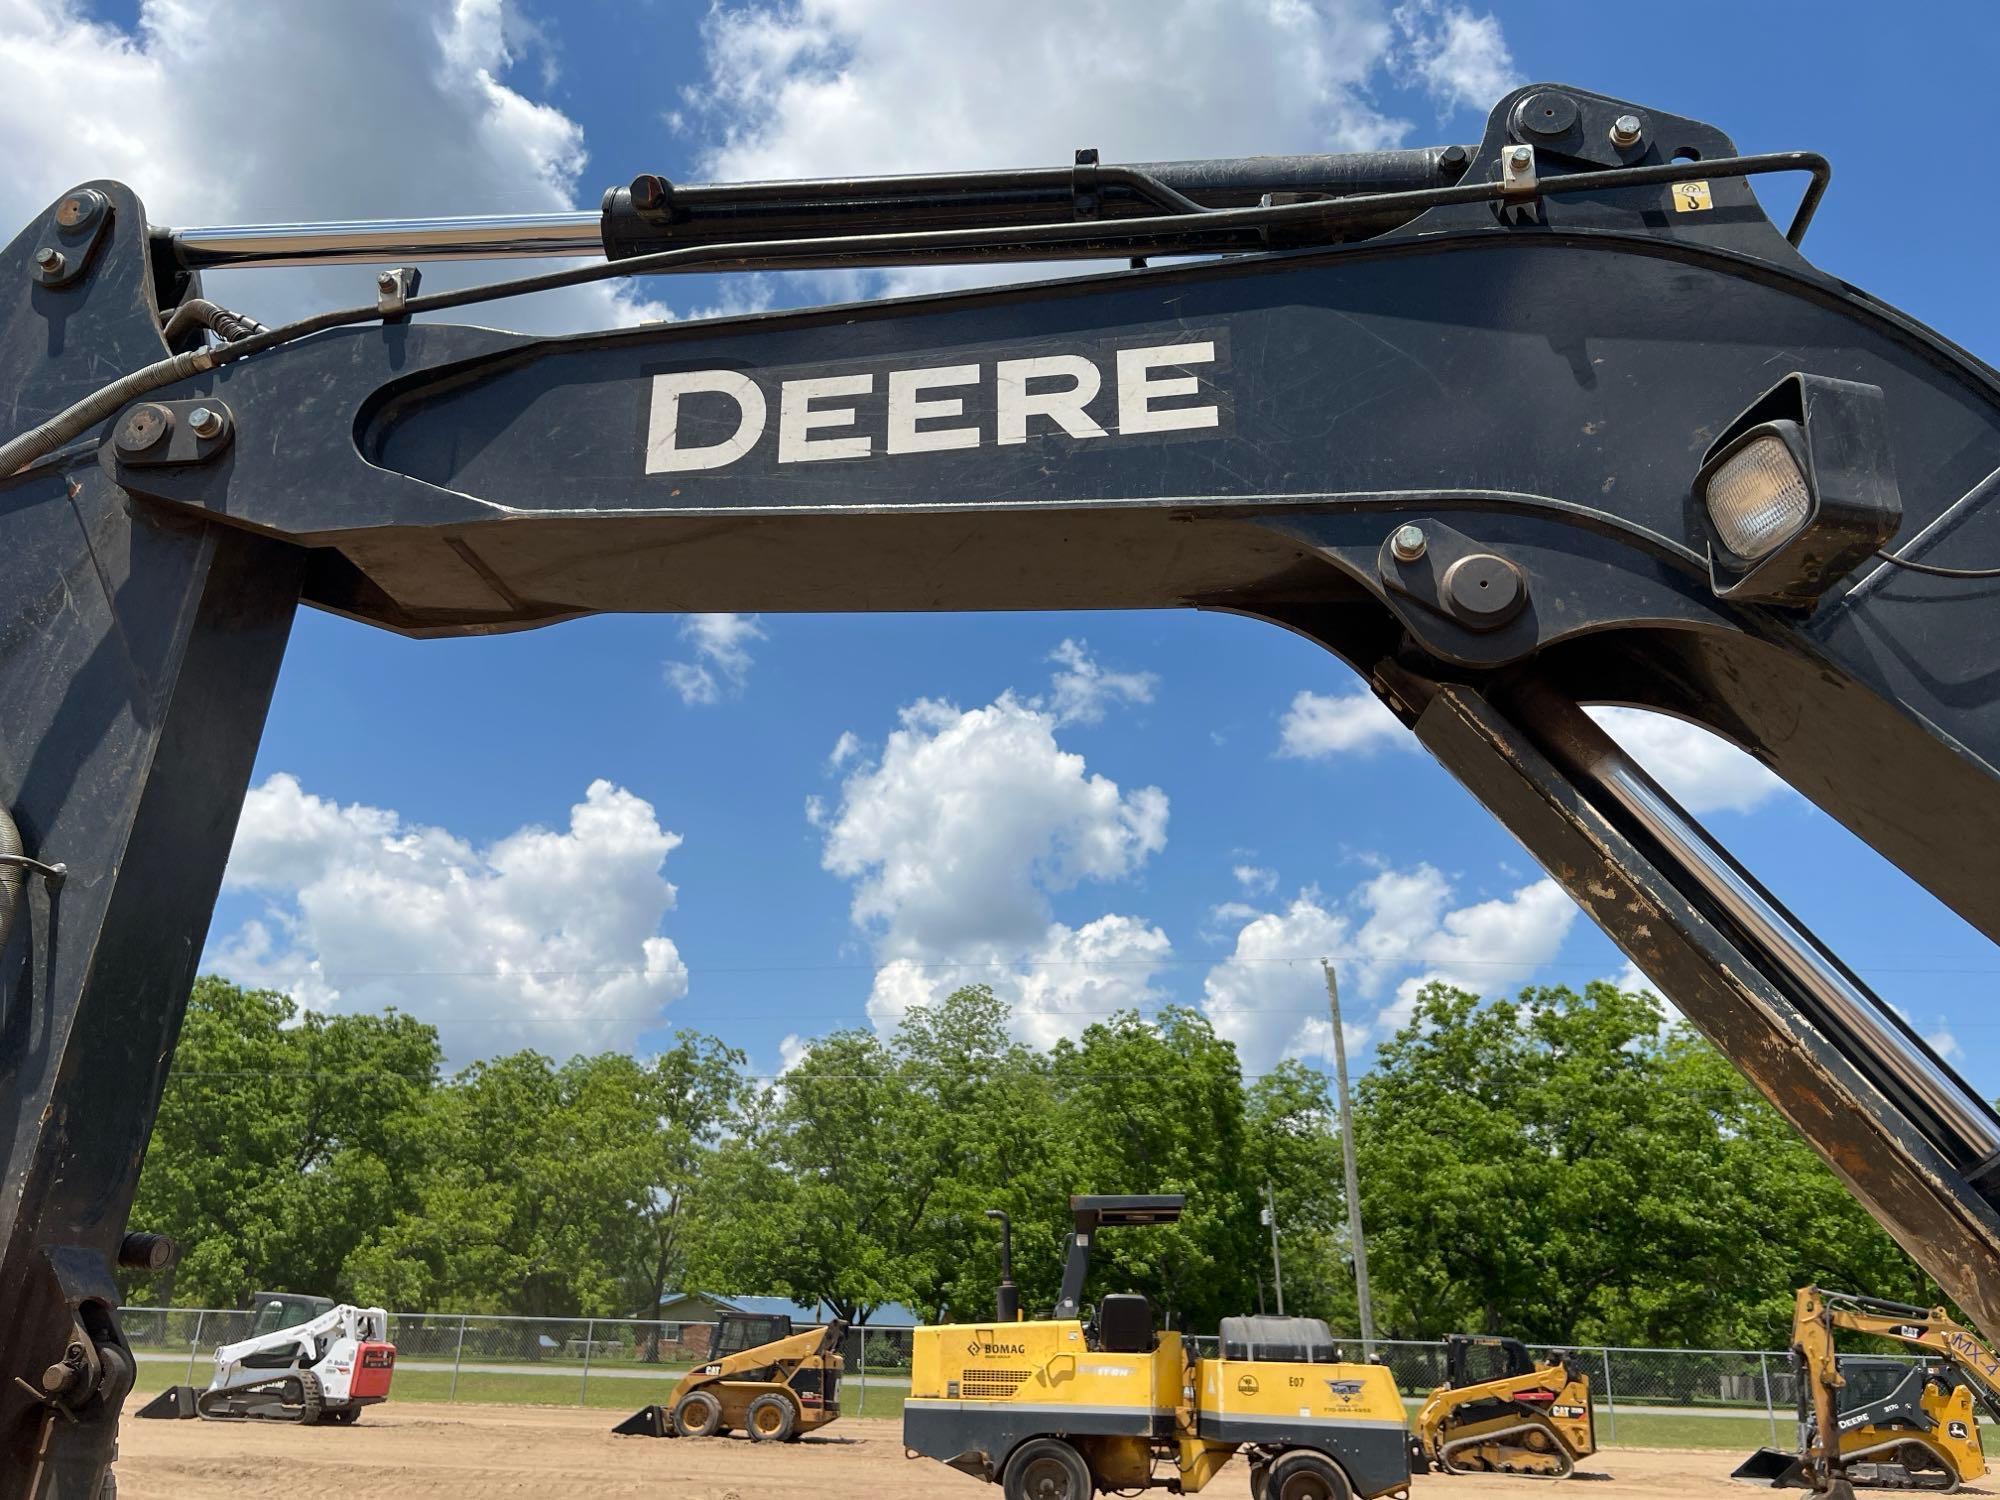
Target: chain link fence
617	1362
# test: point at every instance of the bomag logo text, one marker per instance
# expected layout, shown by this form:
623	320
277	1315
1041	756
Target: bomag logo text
711	419
993	1351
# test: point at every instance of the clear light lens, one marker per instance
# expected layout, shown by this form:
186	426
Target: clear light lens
1758	499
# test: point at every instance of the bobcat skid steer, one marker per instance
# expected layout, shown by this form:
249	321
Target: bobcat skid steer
324	1370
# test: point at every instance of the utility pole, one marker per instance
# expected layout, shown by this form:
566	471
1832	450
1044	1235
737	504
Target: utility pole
1353	1174
1277	1270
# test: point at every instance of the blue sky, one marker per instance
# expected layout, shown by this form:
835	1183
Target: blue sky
854	810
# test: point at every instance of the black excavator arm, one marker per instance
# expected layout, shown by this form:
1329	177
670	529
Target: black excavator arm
1441	411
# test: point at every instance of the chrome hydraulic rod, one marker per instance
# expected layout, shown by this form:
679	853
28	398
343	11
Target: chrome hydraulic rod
374	241
1857	1020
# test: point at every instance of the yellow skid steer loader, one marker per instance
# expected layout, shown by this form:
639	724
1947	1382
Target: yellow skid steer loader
774	1384
1522	1418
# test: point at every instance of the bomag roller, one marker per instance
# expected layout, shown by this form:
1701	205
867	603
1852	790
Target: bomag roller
1062	1407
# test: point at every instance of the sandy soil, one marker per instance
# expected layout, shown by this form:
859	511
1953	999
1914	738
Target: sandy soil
409	1450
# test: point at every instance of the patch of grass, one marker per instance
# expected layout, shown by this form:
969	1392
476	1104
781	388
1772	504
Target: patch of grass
1643	1429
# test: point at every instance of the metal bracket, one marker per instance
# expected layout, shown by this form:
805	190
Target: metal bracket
1517	172
52	875
160	434
1085	202
394	288
70	237
1449	573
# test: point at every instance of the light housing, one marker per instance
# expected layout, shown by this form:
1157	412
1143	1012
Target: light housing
1797	491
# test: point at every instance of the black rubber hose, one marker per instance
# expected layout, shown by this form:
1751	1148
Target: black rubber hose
12	876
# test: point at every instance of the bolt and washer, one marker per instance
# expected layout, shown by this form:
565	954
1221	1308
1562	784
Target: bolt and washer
1408	543
205	422
1522	156
50	261
386	281
1626	130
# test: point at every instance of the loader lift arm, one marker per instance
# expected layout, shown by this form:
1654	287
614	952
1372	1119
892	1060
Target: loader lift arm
1442	412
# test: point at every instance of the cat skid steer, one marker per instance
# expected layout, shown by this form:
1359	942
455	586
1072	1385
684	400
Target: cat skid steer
1554	418
1501	1412
760	1376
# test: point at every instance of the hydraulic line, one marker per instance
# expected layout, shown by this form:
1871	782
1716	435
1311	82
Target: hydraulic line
1174	234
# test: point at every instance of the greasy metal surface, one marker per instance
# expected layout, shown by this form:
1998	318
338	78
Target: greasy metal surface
1540	381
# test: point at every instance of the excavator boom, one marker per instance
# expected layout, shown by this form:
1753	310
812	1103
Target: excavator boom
1557	418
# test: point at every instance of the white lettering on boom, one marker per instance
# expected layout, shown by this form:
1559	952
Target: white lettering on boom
1031	398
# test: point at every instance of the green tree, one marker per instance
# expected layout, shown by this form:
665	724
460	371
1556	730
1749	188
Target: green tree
283	1140
1566	1167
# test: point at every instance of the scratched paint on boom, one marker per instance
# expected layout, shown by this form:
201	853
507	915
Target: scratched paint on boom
706	419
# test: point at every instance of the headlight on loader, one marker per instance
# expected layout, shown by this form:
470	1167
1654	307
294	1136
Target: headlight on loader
1797	492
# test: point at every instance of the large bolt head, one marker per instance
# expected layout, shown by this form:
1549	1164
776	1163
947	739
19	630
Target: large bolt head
205	422
1626	130
78	209
1522	156
386	281
1408	543
145	428
50	261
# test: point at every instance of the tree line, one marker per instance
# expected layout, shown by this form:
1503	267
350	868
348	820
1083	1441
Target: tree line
1562	1166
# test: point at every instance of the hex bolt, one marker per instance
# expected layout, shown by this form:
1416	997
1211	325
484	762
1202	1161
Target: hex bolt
1626	131
205	422
386	281
145	428
1408	543
50	261
1522	157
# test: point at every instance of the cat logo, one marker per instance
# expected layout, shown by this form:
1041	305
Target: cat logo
1346	1390
1247	1385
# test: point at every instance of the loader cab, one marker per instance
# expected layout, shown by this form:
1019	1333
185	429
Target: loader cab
279	1310
1123	1322
739	1331
1474	1359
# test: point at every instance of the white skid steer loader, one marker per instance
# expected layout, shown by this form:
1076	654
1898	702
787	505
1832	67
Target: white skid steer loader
325	1369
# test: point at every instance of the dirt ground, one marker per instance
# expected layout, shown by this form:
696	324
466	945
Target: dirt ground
410	1450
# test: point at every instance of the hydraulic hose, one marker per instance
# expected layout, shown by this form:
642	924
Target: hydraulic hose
39	442
12	876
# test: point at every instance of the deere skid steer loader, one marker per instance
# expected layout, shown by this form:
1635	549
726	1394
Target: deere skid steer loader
1868	1422
1553	418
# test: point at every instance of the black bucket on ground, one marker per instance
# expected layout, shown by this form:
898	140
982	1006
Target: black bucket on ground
647	1421
174	1404
1772	1466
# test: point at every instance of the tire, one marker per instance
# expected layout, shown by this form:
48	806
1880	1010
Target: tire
771	1419
1260	1481
346	1416
1047	1469
1305	1475
698	1414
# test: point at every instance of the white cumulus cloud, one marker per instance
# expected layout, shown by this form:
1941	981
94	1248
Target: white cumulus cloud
1081	690
241	111
1319	726
954	839
721	663
1399	927
546	938
1704	772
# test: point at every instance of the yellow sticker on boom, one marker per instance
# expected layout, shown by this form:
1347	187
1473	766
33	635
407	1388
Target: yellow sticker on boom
1692	197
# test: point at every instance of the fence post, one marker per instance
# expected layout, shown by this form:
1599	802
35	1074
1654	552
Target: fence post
1771	1411
1610	1404
457	1358
193	1345
863	1331
589	1341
